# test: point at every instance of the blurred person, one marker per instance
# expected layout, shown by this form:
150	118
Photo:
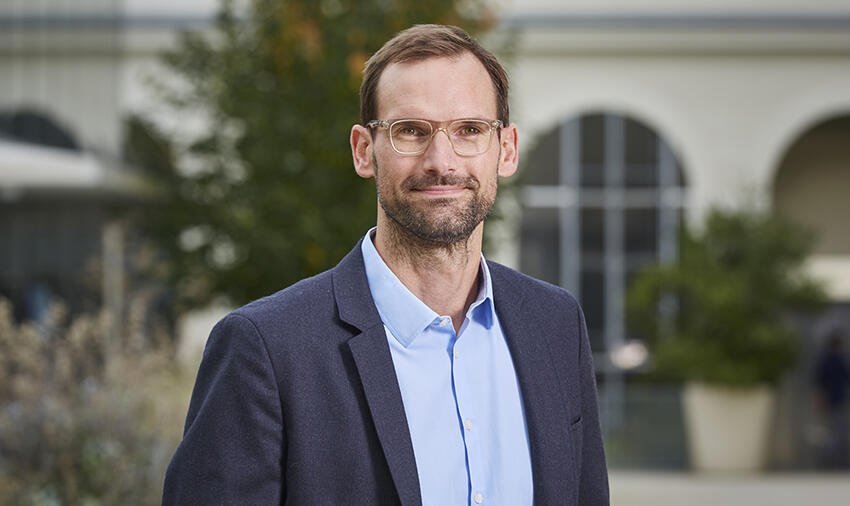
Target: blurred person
415	371
833	381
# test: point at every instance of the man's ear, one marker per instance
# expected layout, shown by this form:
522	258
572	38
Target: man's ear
509	153
361	151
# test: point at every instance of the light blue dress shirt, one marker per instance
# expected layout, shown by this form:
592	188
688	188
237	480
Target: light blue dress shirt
460	393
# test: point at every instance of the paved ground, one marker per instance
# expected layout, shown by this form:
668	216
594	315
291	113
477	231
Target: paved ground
684	489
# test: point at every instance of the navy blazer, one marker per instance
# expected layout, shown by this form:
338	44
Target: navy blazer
297	402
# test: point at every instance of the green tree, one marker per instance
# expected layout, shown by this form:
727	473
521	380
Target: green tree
267	195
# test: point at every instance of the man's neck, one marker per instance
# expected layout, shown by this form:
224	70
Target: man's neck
443	276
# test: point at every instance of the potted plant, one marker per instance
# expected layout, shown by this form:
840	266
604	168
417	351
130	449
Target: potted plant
717	321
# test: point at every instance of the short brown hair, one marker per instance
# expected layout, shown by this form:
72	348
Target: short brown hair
428	41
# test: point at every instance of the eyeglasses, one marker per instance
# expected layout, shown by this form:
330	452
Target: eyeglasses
468	137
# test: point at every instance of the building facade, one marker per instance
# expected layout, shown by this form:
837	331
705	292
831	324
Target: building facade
71	73
642	115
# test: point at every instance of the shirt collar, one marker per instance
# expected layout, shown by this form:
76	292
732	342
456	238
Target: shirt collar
402	312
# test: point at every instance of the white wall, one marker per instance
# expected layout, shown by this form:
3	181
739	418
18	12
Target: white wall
729	98
677	6
728	119
87	63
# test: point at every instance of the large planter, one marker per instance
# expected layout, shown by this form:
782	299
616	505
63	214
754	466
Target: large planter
727	428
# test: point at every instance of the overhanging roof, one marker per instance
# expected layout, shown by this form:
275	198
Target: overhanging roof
30	168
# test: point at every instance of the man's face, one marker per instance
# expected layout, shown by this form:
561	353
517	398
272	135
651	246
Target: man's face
438	196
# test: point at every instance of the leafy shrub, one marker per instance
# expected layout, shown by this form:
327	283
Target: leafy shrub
719	314
84	419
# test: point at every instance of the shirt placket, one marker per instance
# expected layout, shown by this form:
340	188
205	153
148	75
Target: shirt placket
469	416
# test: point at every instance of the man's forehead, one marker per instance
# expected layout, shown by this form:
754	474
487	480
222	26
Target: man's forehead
419	77
399	72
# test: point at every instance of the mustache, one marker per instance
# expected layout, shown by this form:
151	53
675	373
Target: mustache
429	180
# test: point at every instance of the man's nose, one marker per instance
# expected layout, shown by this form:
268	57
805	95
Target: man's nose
439	156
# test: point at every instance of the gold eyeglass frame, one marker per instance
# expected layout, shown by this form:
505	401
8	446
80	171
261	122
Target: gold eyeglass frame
436	126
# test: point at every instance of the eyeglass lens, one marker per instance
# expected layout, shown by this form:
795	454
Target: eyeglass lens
468	137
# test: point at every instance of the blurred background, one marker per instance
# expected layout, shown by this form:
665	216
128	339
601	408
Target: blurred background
685	173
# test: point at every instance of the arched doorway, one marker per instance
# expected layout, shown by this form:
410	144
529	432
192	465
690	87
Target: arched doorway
812	188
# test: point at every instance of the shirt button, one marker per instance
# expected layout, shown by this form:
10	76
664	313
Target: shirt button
444	322
468	426
478	498
457	355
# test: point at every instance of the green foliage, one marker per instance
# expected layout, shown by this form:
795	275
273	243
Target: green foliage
720	314
85	421
268	195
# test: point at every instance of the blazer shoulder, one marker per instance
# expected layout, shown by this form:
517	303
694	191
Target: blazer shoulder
334	299
527	287
306	297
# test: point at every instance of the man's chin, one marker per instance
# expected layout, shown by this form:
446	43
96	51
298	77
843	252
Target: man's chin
445	229
442	235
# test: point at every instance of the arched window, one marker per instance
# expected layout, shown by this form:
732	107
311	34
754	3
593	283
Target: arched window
36	128
602	198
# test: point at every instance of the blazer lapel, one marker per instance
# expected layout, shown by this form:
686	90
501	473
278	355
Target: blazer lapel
374	363
546	416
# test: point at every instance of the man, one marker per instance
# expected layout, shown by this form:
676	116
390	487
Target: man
413	372
832	375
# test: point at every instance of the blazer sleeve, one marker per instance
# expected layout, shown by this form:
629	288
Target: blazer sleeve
593	484
233	442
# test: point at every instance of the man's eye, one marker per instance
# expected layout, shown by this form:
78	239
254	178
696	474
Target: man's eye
468	130
409	131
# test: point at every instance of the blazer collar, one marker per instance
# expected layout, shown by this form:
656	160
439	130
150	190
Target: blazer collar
374	363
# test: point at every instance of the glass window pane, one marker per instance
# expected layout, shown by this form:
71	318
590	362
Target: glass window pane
641	155
593	139
638	176
592	230
592	176
592	151
543	166
641	144
641	234
592	300
540	244
6	245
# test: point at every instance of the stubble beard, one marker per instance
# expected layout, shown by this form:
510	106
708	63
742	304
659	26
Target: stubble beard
444	223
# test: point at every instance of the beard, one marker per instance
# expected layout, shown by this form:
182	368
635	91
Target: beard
439	221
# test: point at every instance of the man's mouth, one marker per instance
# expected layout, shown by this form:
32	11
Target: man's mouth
437	185
441	190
